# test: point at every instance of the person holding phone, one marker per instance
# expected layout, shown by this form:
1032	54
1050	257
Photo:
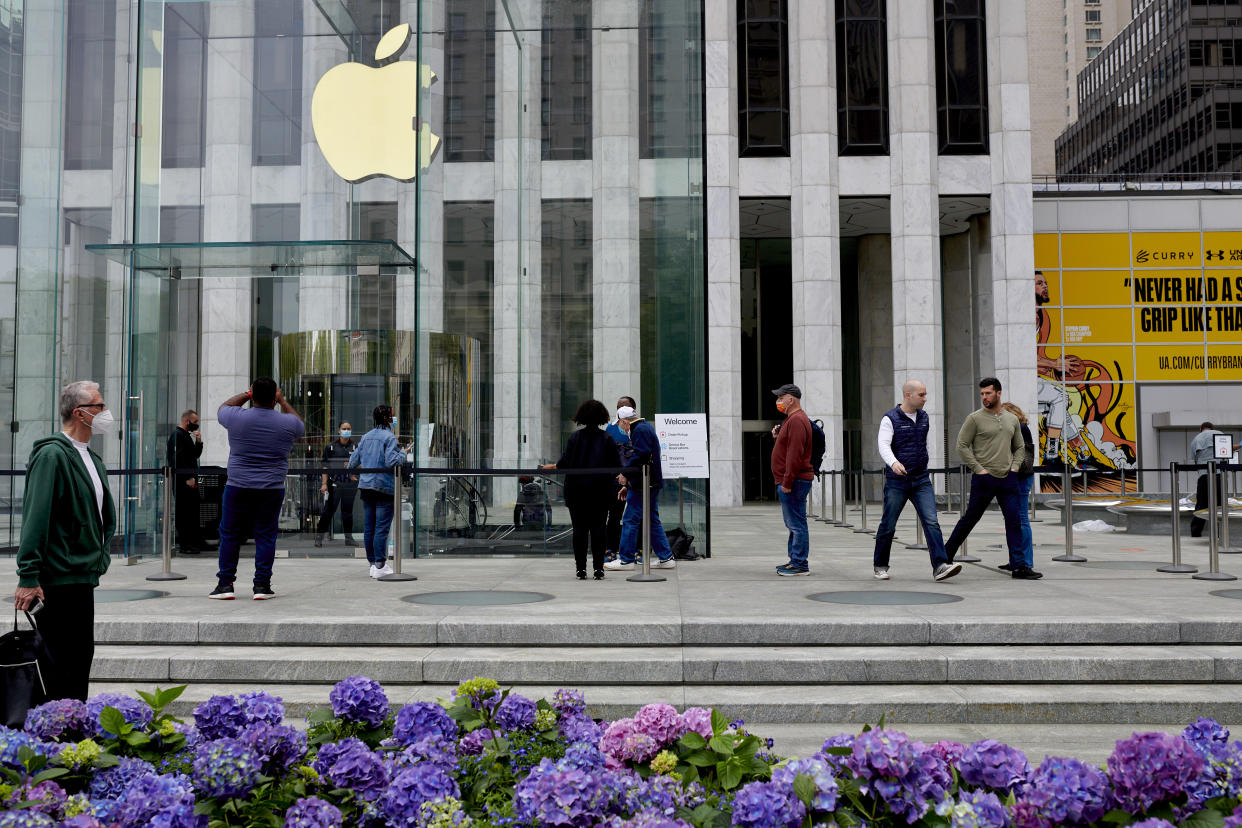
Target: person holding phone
378	449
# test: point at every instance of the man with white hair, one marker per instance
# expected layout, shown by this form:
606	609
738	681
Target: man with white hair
68	519
645	451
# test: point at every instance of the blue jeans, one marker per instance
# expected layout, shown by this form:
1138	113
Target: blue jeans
1028	544
249	513
984	487
793	510
376	521
632	527
918	490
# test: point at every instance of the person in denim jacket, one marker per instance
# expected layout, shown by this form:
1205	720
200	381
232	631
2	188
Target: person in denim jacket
377	449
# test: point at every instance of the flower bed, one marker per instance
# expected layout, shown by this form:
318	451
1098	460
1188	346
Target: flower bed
489	757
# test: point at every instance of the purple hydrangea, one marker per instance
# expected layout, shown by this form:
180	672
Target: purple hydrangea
82	821
907	776
819	771
614	737
278	747
550	796
433	749
657	794
472	743
1205	730
1150	768
645	819
976	809
359	699
516	712
60	720
12	741
1066	791
660	722
1154	822
110	784
698	720
313	812
351	764
638	747
26	819
1234	820
419	720
836	761
582	757
46	798
1221	776
566	702
166	801
260	708
226	768
767	805
992	764
578	727
425	782
949	750
135	711
219	716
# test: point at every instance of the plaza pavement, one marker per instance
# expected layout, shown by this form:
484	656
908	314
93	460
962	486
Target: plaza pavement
1063	665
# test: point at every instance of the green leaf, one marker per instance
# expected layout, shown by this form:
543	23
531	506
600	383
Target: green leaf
843	751
689	773
693	741
747	747
723	745
167	697
135	738
846	818
804	788
322	714
719	723
1207	818
113	721
1117	817
759	768
702	758
880	724
106	760
148	697
206	807
729	773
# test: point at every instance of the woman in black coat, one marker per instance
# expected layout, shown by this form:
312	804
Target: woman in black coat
588	496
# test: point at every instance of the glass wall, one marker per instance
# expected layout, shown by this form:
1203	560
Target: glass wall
544	246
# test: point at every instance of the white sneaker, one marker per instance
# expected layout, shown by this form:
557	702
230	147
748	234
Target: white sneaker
669	564
373	571
881	572
386	569
618	566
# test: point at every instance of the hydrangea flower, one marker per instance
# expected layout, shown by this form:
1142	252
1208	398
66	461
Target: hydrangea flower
992	764
1066	791
645	819
359	699
1149	768
401	802
26	819
614	737
12	741
516	712
836	761
472	743
82	821
419	720
567	702
697	720
110	784
578	727
820	772
260	708
79	755
545	718
908	776
135	711
660	722
550	796
949	750
226	768
278	747
1154	822
638	747
351	764
219	716
1206	730
1234	820
46	798
975	809
656	794
312	812
767	805
444	813
433	749
59	720
582	757
166	801
1221	776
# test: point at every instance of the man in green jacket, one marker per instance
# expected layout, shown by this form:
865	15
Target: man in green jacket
67	523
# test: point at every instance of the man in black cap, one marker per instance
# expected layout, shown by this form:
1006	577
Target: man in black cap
792	469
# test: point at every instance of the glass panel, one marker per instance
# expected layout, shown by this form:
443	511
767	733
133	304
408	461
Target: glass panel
470	77
185	83
961	77
862	77
89	87
566	81
670	81
256	259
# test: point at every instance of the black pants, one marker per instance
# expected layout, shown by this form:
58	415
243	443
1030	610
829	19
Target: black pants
616	508
67	622
343	496
185	504
1201	502
590	524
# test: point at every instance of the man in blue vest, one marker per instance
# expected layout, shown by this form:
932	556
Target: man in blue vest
903	447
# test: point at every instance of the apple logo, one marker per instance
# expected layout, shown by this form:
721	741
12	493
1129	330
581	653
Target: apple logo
366	119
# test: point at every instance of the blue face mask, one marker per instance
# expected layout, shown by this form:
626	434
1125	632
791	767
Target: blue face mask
345	432
393	424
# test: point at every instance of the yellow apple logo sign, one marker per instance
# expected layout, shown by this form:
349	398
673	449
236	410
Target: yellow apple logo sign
366	119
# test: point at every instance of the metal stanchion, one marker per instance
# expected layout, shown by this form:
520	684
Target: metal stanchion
963	552
1225	548
1123	480
918	534
1176	520
862	503
648	552
838	494
1031	505
398	492
1213	573
1067	491
166	573
823	497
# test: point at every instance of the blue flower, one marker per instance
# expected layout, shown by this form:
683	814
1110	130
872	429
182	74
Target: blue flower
435	750
515	713
226	768
1152	823
1067	792
110	784
261	708
60	720
472	743
975	809
1150	768
419	720
219	716
351	764
26	819
991	764
552	797
425	782
312	812
135	711
165	801
278	747
820	772
1221	776
836	761
566	702
1234	820
907	776
578	727
359	699
582	757
767	805
12	741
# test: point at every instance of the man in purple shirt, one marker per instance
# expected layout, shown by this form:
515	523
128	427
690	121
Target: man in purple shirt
259	442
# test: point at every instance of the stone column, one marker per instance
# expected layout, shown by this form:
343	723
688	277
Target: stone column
915	240
226	189
1012	221
875	339
724	309
815	217
614	205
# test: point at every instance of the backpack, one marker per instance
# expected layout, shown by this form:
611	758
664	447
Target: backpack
819	443
680	542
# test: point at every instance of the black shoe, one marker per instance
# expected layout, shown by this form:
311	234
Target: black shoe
599	574
262	592
1008	567
581	574
222	592
189	550
349	541
1025	573
319	539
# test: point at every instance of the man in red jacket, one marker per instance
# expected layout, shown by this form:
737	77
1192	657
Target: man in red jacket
791	467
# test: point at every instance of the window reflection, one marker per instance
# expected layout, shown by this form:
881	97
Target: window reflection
961	77
185	84
862	77
763	80
470	59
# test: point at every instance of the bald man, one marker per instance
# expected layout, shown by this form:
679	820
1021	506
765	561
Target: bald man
903	447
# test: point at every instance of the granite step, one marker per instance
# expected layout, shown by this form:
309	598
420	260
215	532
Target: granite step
729	666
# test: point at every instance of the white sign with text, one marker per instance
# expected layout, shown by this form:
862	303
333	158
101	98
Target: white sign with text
683	444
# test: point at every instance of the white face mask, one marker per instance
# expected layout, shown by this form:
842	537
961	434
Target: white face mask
103	422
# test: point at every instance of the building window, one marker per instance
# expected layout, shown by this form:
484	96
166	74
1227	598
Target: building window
277	124
373	305
961	76
567	338
566	82
1093	16
670	80
862	77
1093	52
763	77
91	50
1094	35
185	84
470	48
469	294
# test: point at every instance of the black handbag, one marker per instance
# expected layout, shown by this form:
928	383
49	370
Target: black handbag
24	666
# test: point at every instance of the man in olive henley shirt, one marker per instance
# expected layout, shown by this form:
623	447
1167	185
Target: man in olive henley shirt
990	442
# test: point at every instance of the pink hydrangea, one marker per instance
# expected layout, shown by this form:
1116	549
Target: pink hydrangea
698	720
639	747
611	742
660	722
